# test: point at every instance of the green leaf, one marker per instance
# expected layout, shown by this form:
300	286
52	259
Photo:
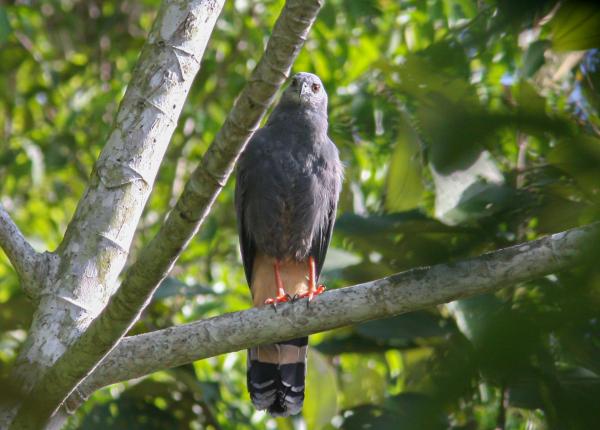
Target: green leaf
11	56
580	158
362	109
362	379
128	413
480	200
338	259
462	194
386	225
529	102
407	411
576	26
5	28
403	328
15	313
534	57
320	403
173	287
526	392
370	417
472	315
353	342
404	184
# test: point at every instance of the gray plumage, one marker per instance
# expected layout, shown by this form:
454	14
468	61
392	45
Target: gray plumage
289	179
288	183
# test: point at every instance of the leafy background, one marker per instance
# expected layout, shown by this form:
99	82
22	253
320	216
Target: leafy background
465	126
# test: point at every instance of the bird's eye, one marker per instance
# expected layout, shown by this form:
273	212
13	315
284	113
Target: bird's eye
294	82
315	87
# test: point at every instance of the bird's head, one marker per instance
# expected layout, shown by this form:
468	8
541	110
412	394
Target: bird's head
307	91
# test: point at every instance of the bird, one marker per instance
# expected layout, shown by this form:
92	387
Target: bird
288	182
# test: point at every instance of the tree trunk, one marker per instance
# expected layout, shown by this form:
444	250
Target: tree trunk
85	267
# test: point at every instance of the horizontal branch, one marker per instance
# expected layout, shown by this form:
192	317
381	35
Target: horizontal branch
22	256
404	292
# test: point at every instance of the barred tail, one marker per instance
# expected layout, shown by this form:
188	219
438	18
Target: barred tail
276	375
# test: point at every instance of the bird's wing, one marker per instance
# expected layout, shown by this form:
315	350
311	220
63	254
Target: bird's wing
333	181
322	237
247	245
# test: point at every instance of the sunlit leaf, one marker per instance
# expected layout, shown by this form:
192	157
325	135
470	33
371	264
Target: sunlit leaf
576	26
320	404
404	184
456	191
362	379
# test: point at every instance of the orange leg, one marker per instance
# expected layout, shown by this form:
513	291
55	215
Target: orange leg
313	289
281	296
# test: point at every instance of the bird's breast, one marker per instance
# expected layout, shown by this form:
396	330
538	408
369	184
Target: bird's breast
293	204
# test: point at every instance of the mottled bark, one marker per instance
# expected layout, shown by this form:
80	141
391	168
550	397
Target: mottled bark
415	289
96	244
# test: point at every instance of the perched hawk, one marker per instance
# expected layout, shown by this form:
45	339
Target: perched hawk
288	184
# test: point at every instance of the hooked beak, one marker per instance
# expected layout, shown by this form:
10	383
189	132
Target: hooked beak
305	91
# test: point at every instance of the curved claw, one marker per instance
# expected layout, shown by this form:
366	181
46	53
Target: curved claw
279	299
311	294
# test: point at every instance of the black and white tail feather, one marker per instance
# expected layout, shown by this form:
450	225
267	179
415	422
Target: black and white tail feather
276	375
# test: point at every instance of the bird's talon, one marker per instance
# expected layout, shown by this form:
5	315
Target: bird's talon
311	294
279	299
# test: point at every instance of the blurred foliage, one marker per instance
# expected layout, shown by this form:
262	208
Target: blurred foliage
465	126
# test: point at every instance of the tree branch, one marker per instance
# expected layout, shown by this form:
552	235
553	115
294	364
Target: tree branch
408	291
97	240
158	257
22	256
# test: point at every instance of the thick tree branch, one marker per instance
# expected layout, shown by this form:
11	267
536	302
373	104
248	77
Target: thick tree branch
404	292
156	259
22	256
33	268
97	241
